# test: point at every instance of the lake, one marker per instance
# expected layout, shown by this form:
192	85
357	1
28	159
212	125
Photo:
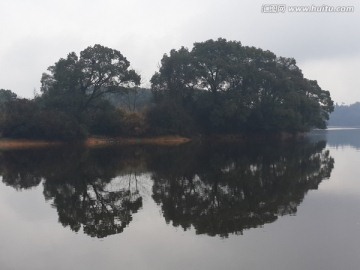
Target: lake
260	205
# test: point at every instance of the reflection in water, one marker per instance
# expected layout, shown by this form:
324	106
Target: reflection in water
80	185
222	190
338	137
218	190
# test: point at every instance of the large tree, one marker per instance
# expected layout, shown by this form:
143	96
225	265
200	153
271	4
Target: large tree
78	83
235	88
175	77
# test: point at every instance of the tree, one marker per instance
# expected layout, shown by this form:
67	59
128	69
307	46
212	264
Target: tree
217	63
227	87
23	118
132	99
175	77
76	84
6	96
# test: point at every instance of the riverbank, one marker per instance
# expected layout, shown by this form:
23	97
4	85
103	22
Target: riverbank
21	143
93	142
161	140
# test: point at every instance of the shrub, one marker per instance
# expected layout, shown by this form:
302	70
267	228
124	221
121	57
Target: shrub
133	124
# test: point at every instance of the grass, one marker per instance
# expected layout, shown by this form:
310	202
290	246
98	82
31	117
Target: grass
163	140
94	142
22	143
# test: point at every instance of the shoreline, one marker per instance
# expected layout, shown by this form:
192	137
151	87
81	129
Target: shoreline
91	142
9	144
161	140
24	143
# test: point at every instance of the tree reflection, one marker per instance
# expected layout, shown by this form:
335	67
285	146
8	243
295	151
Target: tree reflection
221	189
216	189
88	188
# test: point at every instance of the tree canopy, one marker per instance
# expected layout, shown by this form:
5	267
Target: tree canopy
79	82
228	87
217	87
74	98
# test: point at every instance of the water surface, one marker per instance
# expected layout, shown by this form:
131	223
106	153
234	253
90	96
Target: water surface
264	205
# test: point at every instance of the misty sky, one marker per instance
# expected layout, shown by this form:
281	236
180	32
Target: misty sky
37	33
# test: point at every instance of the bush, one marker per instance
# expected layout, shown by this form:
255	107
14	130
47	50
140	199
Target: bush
24	119
170	119
133	124
105	122
54	125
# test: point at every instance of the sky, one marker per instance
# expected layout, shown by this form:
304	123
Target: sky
35	34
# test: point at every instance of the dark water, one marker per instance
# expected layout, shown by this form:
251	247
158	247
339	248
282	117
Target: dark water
268	205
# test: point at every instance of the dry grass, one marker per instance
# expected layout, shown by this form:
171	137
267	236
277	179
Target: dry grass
165	140
93	142
22	144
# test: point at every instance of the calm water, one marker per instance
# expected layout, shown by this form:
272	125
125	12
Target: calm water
292	205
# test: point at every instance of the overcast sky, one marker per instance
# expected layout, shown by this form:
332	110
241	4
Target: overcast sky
37	33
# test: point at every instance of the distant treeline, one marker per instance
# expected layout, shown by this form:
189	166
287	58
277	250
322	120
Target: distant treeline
345	115
218	87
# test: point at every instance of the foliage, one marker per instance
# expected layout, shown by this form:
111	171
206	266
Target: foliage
24	119
250	89
79	86
175	78
168	118
133	124
6	96
217	87
83	80
132	99
105	120
73	98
